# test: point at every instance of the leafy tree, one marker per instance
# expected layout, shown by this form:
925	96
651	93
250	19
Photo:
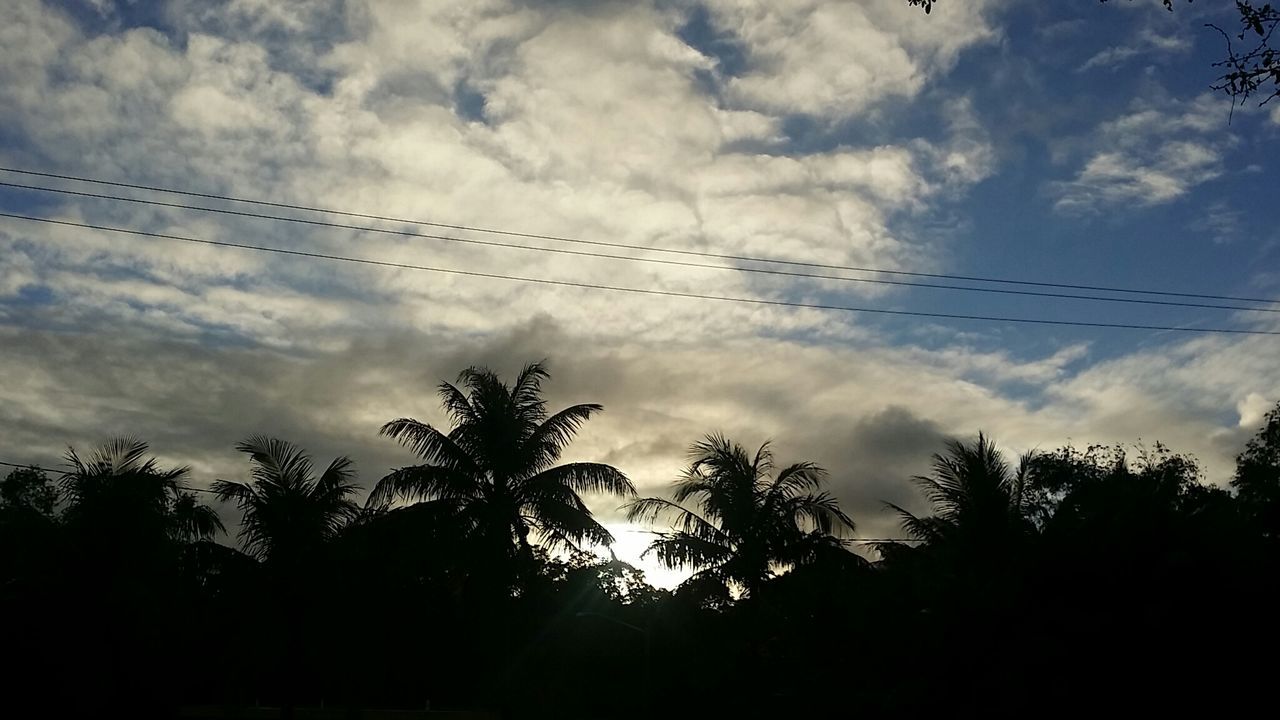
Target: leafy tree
1253	70
496	468
29	490
1257	480
748	525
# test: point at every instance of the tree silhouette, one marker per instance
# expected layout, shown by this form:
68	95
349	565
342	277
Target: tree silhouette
1100	571
1257	480
120	492
29	490
290	520
126	524
496	468
977	499
748	525
288	512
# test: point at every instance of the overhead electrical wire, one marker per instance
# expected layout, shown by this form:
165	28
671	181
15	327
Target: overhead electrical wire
62	472
634	290
629	258
627	246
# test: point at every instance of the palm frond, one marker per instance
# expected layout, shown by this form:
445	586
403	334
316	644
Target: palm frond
286	511
228	490
795	479
763	462
276	461
526	393
120	456
455	403
683	550
929	529
193	521
429	444
822	512
424	482
551	436
553	520
585	477
480	382
119	468
817	547
649	510
693	484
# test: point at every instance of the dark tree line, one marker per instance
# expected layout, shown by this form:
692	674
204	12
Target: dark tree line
1070	581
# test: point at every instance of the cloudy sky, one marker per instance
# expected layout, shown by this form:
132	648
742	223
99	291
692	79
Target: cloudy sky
1068	142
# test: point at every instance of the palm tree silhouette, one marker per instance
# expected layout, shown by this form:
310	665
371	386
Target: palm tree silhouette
288	512
290	518
977	499
496	469
128	524
118	485
749	525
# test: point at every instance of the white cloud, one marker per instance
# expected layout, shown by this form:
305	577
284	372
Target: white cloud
1147	44
595	125
837	59
586	120
1149	156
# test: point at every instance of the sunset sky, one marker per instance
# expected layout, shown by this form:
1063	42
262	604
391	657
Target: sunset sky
1066	142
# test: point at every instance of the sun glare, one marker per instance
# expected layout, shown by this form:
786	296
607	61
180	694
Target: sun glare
630	543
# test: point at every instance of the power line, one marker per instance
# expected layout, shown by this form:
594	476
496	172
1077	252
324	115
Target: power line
63	472
638	291
856	540
627	246
629	258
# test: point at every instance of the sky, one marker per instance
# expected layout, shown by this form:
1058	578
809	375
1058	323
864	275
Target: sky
1066	142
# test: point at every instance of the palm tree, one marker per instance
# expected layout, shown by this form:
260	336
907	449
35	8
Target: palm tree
119	490
290	518
748	525
288	512
129	526
977	499
497	467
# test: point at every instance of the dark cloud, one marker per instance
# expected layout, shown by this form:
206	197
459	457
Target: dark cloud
871	461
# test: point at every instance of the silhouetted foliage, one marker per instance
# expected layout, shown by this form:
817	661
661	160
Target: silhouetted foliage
1072	581
496	469
749	526
1257	480
28	490
288	513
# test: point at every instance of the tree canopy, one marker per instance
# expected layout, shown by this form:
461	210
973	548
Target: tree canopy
1080	579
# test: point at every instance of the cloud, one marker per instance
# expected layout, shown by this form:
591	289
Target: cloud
1148	44
1220	222
871	416
1149	156
588	120
837	59
594	124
